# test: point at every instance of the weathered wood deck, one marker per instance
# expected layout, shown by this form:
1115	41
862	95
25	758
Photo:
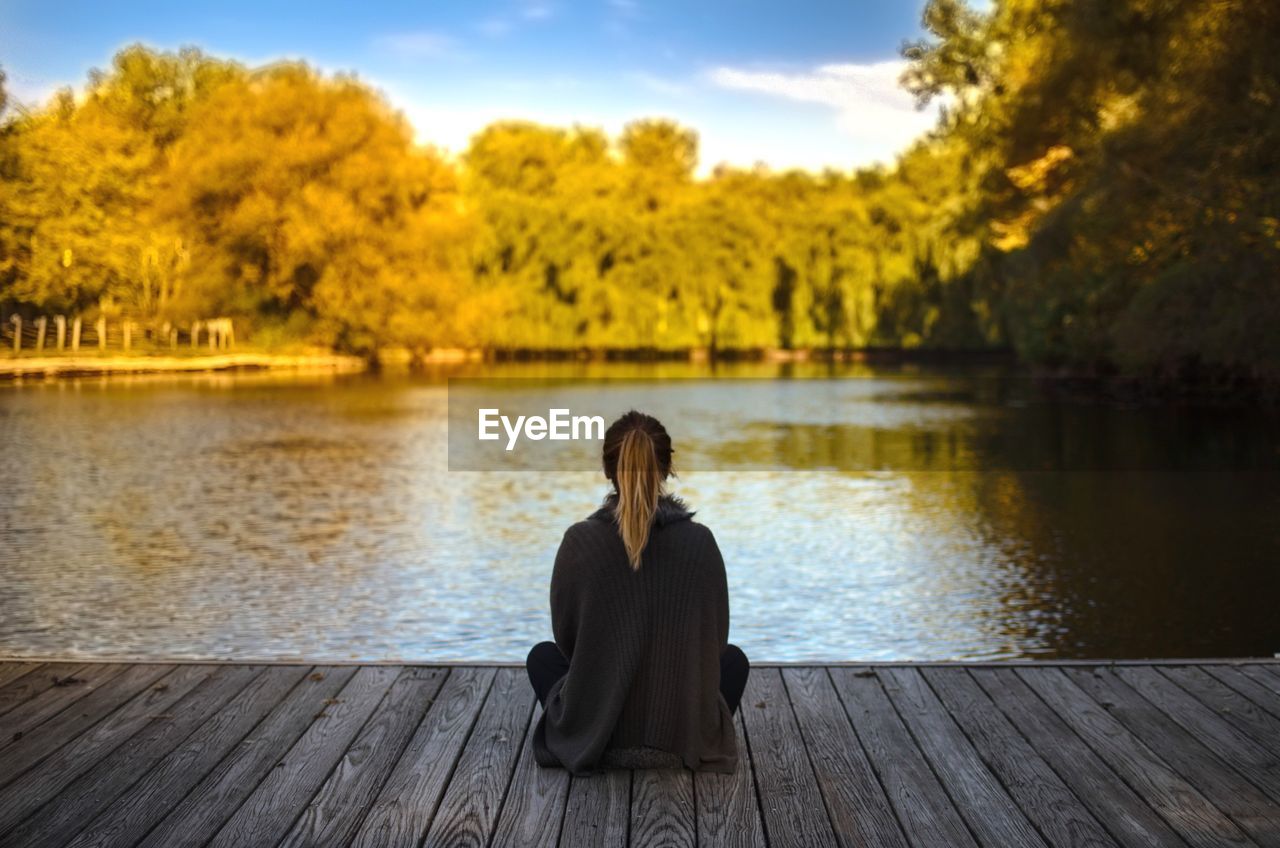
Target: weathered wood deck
940	755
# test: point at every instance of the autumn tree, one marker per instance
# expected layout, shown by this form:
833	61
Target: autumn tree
306	202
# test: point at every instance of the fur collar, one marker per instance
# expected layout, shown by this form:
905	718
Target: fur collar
670	510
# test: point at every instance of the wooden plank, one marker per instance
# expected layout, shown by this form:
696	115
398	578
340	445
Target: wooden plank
469	810
41	782
41	677
338	808
598	812
94	699
1260	675
662	808
134	813
1082	759
1256	814
1240	750
1256	692
860	811
407	802
80	801
1031	781
11	671
217	797
1197	820
1126	816
789	796
922	805
1230	704
534	808
50	695
277	802
727	806
992	815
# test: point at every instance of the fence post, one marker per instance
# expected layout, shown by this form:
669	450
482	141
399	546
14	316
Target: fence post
101	328
195	334
75	334
16	320
41	322
128	333
60	321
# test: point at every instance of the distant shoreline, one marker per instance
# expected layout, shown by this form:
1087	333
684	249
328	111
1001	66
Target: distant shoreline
90	366
1055	384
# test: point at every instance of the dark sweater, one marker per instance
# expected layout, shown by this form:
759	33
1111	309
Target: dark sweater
643	646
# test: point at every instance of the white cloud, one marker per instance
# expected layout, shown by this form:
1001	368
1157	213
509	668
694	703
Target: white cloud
537	12
423	44
869	105
494	27
450	128
659	85
860	115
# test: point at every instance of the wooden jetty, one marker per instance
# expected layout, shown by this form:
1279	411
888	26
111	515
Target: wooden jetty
1028	754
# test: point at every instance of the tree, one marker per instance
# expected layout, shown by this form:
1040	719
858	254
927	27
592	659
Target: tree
81	180
304	196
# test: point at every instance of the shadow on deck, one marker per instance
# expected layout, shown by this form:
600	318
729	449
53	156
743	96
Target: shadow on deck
886	755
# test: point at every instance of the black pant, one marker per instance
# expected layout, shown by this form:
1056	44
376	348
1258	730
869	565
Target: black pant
546	665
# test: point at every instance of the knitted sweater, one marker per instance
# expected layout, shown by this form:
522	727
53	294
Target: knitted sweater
643	646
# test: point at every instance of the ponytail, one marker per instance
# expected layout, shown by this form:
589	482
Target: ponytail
637	460
639	483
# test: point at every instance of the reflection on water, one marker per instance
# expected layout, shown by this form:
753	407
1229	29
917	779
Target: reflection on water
261	516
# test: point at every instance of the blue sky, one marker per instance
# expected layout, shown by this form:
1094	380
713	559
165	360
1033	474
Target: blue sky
791	84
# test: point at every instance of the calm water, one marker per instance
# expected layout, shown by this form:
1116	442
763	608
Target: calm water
863	515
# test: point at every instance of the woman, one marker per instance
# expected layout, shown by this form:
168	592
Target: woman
641	671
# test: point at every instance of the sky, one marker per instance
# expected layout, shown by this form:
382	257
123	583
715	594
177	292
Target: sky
794	84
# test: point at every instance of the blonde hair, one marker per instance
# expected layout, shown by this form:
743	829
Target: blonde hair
639	486
637	458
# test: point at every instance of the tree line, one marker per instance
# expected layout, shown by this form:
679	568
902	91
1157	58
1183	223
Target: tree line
1100	193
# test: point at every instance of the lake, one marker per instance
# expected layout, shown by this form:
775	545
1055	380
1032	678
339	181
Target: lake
864	513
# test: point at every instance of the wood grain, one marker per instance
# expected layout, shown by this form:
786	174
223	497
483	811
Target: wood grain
47	694
1195	818
469	809
992	815
1127	817
278	800
534	808
150	799
405	806
64	764
856	802
727	806
598	812
1238	748
338	807
662	808
221	792
1036	754
83	798
1226	788
921	802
